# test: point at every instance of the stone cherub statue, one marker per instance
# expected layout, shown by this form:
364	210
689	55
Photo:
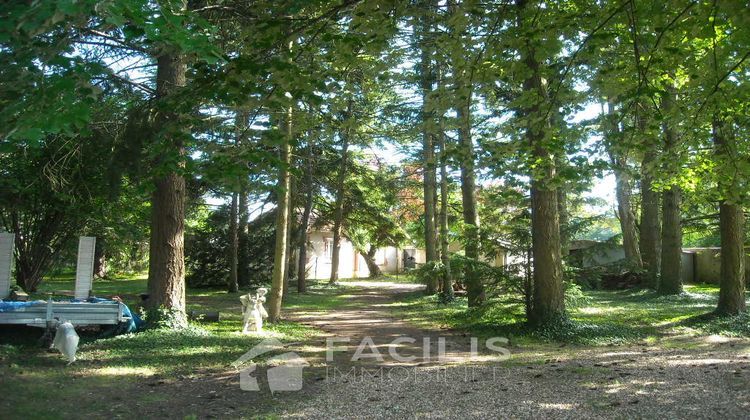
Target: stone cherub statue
253	312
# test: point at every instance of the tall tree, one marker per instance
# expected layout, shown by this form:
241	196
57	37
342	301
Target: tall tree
308	187
427	80
240	125
462	96
639	27
724	91
243	258
650	221
732	228
619	161
670	281
166	271
447	280
338	213
283	187
548	303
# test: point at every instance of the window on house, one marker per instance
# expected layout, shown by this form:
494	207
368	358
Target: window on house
328	248
380	257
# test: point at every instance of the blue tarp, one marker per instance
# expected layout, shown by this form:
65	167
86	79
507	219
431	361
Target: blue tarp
13	306
135	320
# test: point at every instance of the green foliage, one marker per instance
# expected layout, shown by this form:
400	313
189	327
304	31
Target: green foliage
575	296
63	186
429	271
568	331
372	192
594	317
207	249
591	277
498	280
78	102
163	318
731	326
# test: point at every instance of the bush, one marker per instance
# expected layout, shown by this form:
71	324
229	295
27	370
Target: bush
617	275
207	249
498	281
428	271
574	295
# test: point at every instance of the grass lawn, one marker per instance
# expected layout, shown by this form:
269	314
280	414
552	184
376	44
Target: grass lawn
599	318
117	372
115	368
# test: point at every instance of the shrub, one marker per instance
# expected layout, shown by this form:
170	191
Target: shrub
616	275
207	249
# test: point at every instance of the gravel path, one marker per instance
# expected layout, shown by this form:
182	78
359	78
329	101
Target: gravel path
708	378
366	317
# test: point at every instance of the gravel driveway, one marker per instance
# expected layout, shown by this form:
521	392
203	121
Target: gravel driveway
706	378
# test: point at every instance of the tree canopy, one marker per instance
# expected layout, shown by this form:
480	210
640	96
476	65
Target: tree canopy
429	123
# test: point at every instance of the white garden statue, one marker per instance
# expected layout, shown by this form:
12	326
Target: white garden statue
66	340
253	312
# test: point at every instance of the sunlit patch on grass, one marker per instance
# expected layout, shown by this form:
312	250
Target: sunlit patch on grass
607	317
121	371
590	310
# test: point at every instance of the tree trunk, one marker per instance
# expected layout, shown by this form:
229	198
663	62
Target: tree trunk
528	282
562	208
548	297
732	228
282	223
627	219
100	258
243	259
622	190
291	263
428	146
671	235
732	286
474	286
548	305
232	285
338	213
671	239
305	222
561	162
447	280
166	271
369	258
650	226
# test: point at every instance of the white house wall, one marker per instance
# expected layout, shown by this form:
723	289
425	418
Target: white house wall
351	263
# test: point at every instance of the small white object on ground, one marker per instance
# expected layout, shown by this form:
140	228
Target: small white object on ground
66	340
253	311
